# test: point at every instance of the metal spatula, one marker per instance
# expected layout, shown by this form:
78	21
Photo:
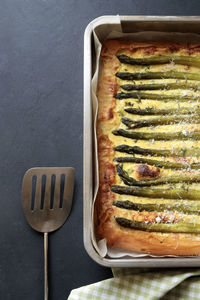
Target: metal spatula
46	201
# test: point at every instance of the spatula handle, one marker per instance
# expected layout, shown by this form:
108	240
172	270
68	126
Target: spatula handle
45	266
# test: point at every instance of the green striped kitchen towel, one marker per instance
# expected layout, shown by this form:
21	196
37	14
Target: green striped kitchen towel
140	284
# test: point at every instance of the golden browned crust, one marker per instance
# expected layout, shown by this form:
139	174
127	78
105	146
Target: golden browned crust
107	227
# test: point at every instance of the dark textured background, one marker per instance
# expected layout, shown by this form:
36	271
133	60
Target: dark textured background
41	113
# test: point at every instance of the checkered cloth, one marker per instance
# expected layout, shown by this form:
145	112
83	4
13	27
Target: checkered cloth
142	284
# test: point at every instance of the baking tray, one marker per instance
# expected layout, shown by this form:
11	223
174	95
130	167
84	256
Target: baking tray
103	26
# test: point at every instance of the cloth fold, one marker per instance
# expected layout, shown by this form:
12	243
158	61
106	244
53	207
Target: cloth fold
140	284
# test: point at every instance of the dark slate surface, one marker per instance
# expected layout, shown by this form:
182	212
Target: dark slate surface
41	112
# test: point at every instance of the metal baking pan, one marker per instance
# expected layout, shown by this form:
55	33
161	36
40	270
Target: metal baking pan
103	25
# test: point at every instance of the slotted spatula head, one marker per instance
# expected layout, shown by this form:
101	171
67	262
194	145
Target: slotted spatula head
47	197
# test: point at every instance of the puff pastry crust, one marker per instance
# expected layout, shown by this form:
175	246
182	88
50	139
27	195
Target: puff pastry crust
110	112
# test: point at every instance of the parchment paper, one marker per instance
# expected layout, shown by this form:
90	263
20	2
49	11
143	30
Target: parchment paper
149	36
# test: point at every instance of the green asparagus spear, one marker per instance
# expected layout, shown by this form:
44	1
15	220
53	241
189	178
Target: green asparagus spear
162	86
161	59
149	111
157	163
158	136
186	178
158	75
175	193
193	208
162	120
179	152
159	97
178	227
